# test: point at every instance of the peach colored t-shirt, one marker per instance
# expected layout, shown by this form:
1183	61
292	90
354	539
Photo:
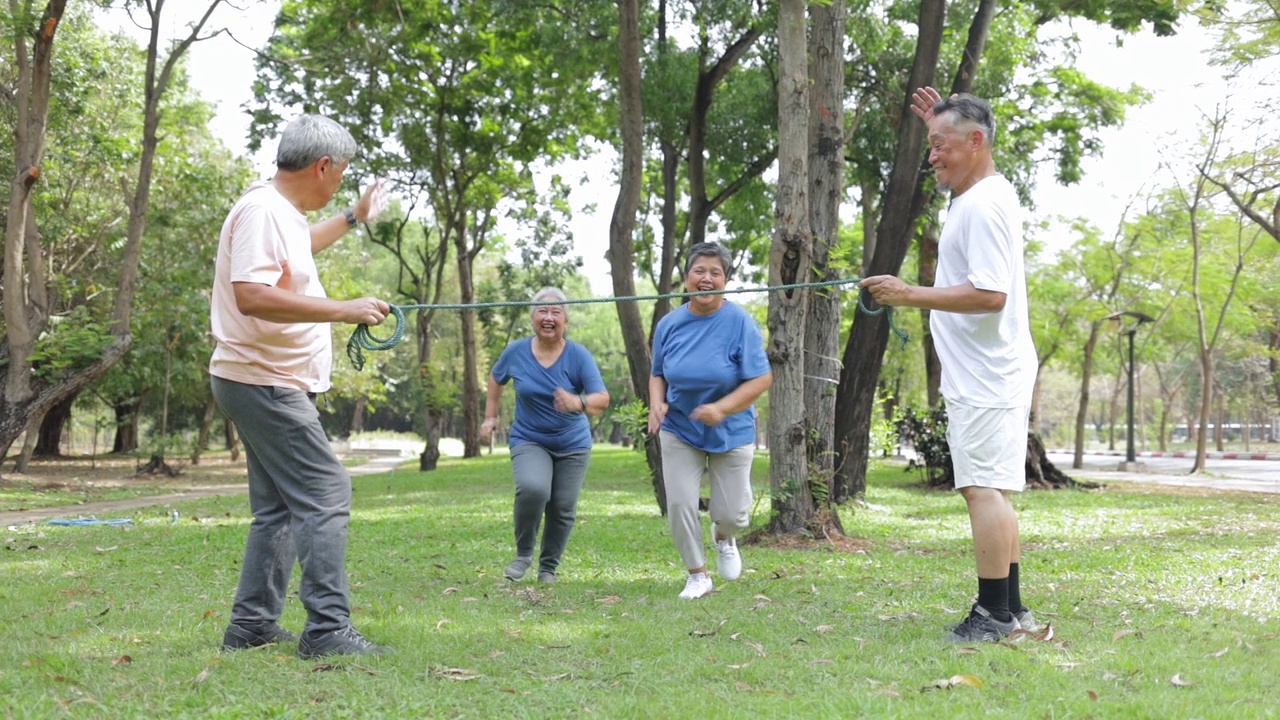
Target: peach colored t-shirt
266	240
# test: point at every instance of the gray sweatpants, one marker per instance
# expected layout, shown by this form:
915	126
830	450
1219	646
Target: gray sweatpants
300	495
548	484
730	508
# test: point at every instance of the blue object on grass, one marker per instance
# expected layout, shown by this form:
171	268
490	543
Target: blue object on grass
84	521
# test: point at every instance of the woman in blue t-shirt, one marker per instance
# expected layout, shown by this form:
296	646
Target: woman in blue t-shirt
709	366
557	385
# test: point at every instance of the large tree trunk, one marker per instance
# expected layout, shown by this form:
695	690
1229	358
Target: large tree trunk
126	412
23	324
864	350
622	224
826	188
52	427
790	259
928	268
470	376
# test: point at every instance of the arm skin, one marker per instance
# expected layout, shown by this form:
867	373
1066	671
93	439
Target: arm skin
965	298
274	304
740	399
327	232
657	402
568	402
491	405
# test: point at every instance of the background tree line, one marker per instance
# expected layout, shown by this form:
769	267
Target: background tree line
778	128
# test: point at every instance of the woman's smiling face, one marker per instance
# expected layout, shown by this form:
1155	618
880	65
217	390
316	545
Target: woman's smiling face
705	273
550	321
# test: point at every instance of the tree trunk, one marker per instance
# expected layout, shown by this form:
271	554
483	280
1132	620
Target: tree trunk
864	350
790	258
52	427
206	423
928	268
1086	377
126	412
1205	411
622	224
231	437
826	188
357	415
29	95
471	398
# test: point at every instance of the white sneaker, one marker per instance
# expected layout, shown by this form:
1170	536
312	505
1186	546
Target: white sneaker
698	585
729	562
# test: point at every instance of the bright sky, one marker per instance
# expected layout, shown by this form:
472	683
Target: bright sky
1174	69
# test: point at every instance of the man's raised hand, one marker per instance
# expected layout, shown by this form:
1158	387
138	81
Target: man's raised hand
922	102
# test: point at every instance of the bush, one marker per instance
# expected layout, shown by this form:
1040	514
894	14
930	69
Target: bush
927	433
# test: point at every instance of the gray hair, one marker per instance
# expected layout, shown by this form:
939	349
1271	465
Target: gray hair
547	294
311	137
710	249
969	108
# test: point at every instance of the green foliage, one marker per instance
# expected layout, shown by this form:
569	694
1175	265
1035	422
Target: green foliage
926	432
634	419
74	342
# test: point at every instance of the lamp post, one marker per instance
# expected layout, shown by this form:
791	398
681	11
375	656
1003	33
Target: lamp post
1130	458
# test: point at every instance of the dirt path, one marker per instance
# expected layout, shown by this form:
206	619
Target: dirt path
105	508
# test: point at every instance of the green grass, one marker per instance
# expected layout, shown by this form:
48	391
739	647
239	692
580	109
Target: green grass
1140	587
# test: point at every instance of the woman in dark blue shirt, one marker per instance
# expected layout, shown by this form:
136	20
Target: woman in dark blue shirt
557	385
709	366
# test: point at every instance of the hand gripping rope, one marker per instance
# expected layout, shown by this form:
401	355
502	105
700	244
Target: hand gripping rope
362	339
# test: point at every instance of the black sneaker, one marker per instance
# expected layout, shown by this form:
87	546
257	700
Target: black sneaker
981	627
243	637
347	641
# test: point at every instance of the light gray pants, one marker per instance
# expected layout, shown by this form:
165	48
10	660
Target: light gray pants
300	495
730	509
547	483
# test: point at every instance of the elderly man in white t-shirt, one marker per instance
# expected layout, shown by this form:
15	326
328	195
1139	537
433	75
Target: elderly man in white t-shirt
982	333
270	318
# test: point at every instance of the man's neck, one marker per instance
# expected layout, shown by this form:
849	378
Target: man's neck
982	171
289	185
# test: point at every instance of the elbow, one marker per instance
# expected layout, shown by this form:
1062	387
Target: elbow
766	381
249	299
991	301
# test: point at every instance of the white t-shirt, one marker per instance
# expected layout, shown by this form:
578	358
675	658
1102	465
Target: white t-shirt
266	240
988	360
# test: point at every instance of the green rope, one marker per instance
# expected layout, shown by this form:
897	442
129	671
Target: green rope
363	339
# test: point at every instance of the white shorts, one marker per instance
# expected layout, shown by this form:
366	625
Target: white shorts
988	445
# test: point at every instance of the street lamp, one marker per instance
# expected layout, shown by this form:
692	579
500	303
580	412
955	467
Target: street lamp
1138	318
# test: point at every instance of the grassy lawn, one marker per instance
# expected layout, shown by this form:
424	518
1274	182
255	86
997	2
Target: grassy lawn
1163	605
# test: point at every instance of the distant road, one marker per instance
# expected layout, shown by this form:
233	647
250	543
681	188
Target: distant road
1222	473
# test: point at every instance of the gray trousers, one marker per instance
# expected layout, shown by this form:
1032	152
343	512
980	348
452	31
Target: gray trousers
547	484
730	508
300	495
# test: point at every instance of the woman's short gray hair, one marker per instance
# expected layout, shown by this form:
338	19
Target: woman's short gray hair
710	249
311	137
547	294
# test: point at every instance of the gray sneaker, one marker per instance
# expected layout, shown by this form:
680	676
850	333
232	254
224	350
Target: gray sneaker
347	641
546	577
1026	621
981	627
517	568
243	637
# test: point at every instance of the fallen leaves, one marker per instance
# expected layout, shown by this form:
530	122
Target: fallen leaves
954	681
458	674
1177	681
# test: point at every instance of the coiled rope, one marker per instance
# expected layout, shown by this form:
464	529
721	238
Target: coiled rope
362	339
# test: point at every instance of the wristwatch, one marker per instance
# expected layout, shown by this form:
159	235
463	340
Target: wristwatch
350	215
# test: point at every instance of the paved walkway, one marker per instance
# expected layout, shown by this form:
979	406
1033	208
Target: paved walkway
373	466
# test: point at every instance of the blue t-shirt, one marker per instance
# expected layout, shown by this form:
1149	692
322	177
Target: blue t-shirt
703	358
537	420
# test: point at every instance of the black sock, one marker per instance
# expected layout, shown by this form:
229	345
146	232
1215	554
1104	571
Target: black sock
1015	592
993	594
